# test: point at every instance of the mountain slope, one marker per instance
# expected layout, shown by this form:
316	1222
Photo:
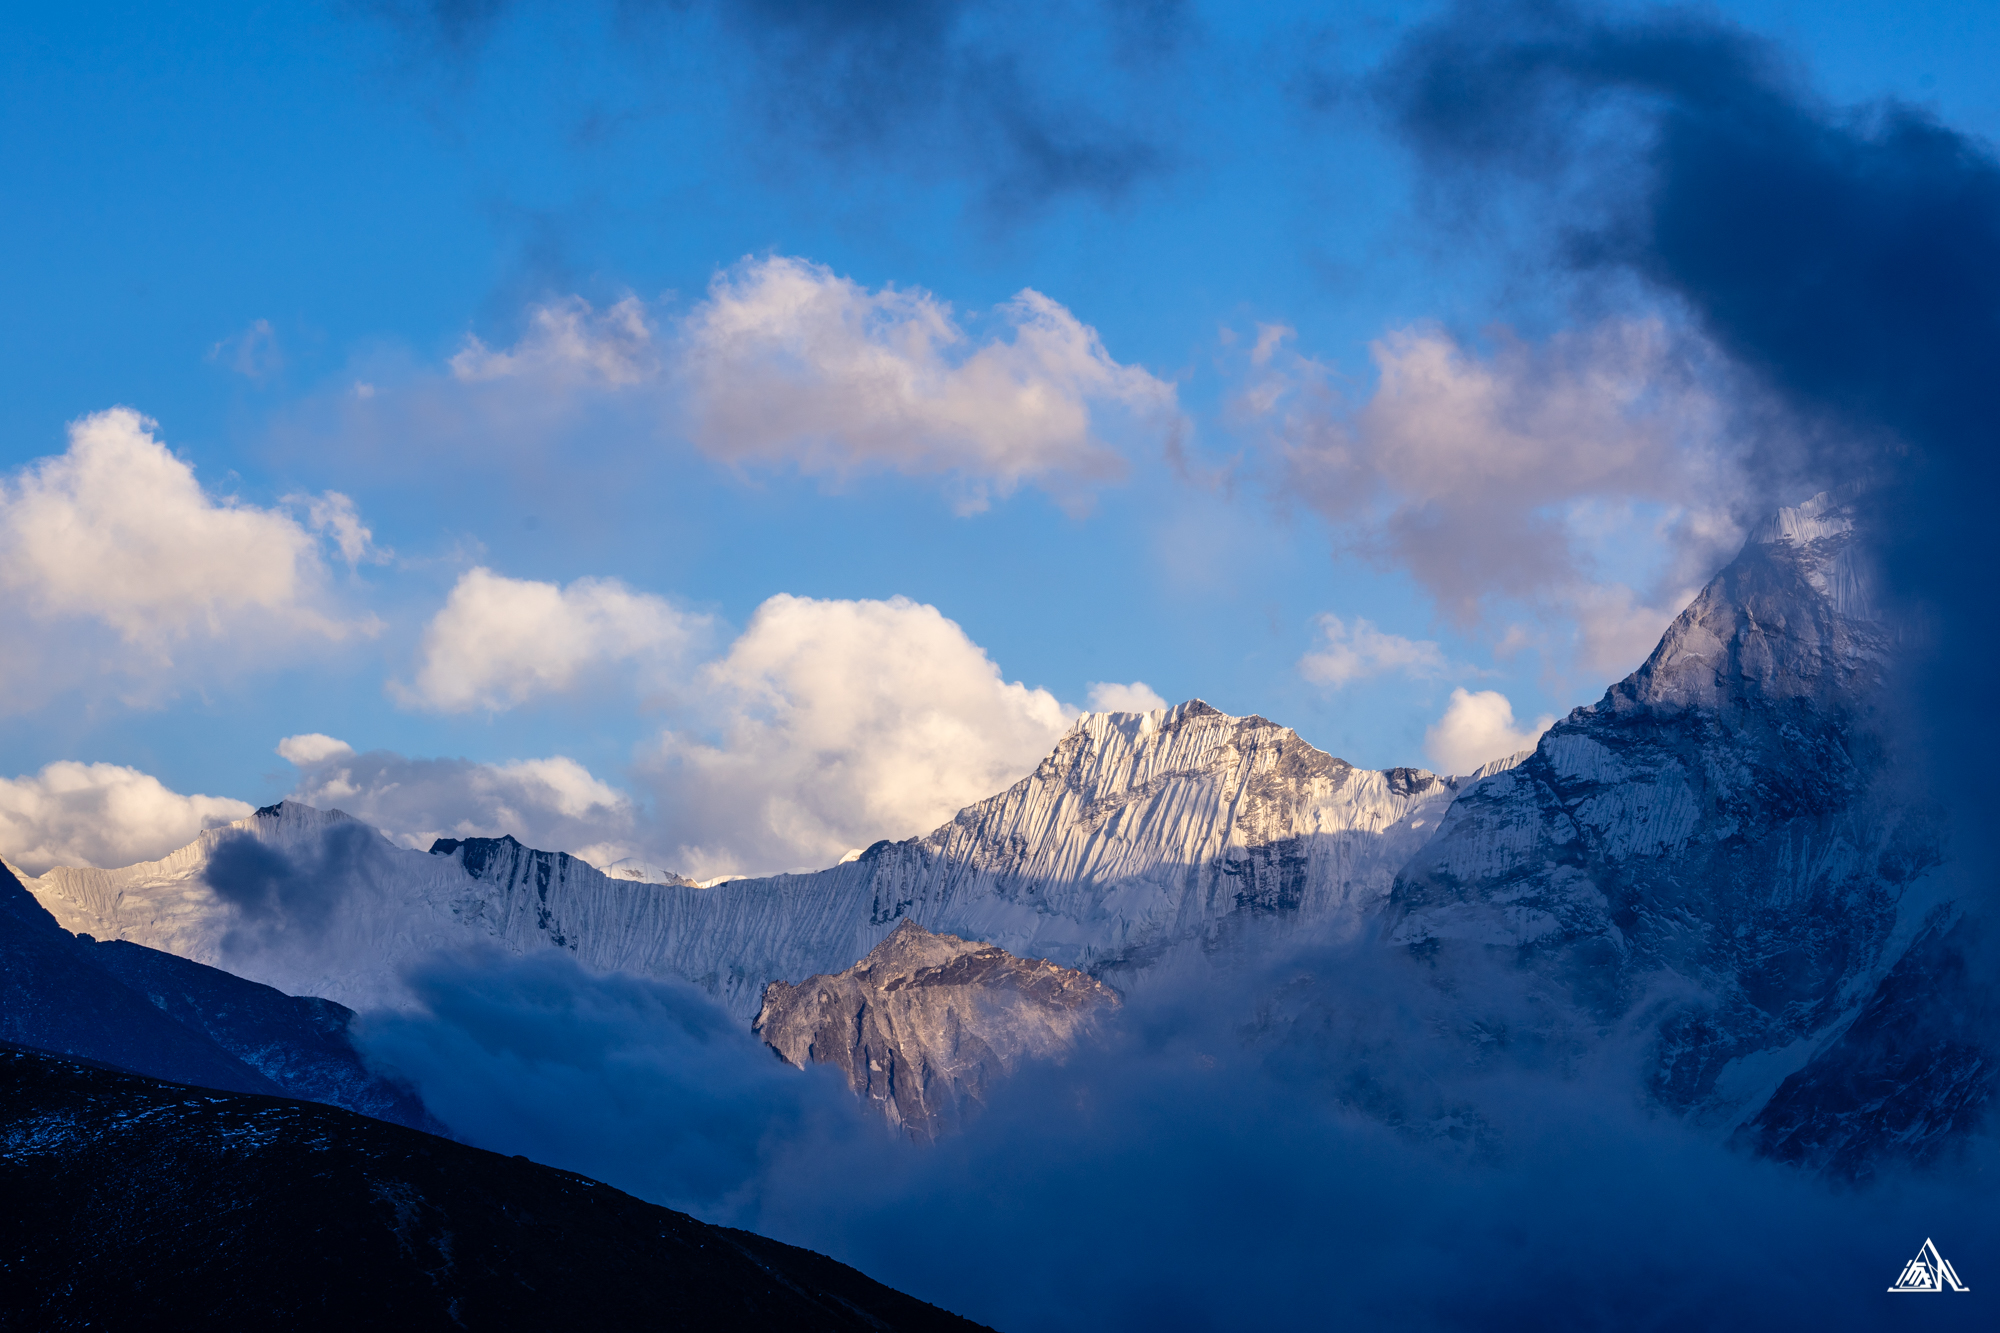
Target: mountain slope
1907	1079
135	1203
925	1022
299	1042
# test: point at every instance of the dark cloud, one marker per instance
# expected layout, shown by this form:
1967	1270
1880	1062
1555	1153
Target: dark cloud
1053	98
1849	257
883	72
646	1084
458	27
292	895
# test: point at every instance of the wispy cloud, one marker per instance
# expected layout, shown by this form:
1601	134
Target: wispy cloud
1549	476
787	362
253	353
1348	653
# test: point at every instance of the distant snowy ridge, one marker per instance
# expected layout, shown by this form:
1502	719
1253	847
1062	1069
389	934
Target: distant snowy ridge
1141	832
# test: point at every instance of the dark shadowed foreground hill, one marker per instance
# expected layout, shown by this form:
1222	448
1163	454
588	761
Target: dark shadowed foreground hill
133	1203
171	1018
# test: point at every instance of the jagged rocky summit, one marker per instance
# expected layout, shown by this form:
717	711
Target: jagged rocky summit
924	1023
1721	856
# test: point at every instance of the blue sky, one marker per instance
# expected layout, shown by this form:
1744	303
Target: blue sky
271	229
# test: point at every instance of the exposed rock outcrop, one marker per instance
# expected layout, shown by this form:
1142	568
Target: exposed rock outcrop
925	1023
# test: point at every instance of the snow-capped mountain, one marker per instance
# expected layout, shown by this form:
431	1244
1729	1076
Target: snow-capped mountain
1723	860
925	1022
1139	833
1721	852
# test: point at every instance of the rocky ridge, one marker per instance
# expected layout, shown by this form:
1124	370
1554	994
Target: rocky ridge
169	1017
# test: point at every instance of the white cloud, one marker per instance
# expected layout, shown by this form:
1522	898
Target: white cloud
117	533
499	642
838	723
1477	729
254	353
785	362
1538	474
334	515
1616	630
555	803
1110	697
311	748
1351	653
569	341
100	815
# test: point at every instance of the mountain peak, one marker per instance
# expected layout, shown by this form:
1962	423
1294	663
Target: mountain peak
1828	514
1790	617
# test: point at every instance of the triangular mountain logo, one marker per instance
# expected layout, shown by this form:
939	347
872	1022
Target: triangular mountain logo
1929	1271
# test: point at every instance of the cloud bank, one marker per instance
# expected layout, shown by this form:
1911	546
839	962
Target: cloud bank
1541	477
611	1076
1213	1162
72	814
